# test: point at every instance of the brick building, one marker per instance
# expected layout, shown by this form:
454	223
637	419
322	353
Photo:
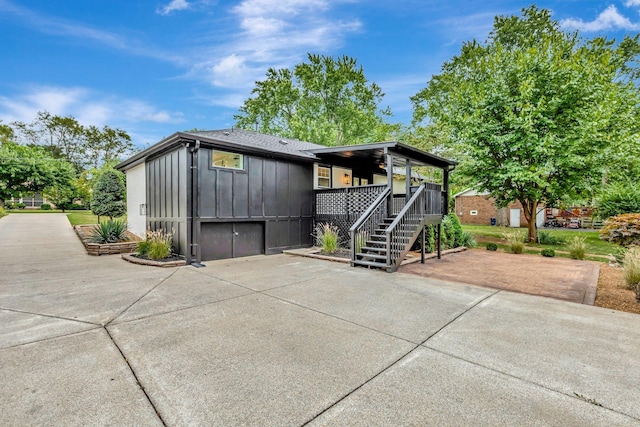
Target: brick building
477	208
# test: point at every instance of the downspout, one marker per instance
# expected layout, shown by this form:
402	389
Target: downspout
194	254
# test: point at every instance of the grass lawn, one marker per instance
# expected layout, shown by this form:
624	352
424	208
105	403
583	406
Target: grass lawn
596	246
75	217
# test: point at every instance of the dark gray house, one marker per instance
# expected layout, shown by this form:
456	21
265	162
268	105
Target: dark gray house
233	193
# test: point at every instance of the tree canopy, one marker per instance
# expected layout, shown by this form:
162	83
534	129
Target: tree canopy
64	137
535	112
26	169
326	100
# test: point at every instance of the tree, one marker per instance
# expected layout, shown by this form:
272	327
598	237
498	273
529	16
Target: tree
534	109
325	100
26	169
108	197
66	138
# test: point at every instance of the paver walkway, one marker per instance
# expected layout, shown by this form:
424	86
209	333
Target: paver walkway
280	340
559	278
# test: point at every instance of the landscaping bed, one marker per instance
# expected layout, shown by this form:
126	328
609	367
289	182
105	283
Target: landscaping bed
84	232
612	292
173	261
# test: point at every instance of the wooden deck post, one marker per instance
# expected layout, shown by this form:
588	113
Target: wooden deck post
389	160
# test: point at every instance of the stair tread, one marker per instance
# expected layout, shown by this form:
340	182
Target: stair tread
370	263
373	248
368	255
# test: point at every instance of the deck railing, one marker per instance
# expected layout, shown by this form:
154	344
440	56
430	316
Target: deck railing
370	219
405	227
343	206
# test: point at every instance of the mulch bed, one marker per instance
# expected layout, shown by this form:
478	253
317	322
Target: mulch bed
613	293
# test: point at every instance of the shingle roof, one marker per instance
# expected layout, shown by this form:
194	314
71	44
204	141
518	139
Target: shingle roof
251	139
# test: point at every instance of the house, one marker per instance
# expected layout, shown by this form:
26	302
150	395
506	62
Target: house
475	207
232	193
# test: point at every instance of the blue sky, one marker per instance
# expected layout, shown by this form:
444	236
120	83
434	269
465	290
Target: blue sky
156	67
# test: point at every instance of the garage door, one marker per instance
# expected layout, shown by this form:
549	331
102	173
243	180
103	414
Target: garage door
231	240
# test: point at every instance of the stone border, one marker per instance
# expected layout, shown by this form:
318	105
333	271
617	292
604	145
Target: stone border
98	249
140	261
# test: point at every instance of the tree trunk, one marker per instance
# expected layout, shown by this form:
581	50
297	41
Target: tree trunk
501	217
529	208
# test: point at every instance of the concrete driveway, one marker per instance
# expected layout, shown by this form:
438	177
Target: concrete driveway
282	340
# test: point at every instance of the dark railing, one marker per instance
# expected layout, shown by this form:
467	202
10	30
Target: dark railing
370	219
405	227
343	206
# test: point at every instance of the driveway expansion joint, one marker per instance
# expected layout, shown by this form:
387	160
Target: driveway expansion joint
399	359
135	376
573	395
52	316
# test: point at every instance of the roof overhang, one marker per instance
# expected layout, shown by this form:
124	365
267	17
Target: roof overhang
375	153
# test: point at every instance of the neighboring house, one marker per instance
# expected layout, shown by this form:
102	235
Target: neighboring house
232	193
31	201
475	207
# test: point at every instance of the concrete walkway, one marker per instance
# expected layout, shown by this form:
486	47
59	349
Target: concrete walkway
283	340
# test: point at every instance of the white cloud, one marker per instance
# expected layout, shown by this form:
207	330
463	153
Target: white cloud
609	19
272	33
87	106
173	6
632	3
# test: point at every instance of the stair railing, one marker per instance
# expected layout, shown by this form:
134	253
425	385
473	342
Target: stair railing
368	221
405	228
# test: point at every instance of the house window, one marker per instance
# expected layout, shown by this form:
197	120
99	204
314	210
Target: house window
227	159
324	177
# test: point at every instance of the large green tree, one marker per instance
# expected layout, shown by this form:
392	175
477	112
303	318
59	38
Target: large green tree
534	110
64	137
325	100
25	169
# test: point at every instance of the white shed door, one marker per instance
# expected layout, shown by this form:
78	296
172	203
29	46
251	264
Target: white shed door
514	218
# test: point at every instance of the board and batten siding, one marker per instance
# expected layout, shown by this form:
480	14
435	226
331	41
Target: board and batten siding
276	192
166	183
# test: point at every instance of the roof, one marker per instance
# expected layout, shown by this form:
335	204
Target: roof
471	192
259	143
375	152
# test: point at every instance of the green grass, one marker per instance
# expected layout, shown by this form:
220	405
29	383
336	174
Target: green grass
596	246
87	217
75	217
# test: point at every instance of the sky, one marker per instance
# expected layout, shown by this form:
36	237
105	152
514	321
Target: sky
153	68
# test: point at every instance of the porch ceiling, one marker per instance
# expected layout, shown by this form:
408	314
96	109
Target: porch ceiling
374	154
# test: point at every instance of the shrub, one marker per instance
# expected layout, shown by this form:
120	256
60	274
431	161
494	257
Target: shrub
75	207
546	238
45	207
2	212
619	199
622	229
160	246
492	247
468	240
111	231
19	205
9	205
108	196
631	269
430	238
327	237
515	240
577	247
549	253
143	247
456	230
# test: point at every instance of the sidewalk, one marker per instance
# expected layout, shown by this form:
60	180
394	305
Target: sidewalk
281	340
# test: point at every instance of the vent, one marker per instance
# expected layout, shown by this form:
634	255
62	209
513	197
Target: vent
283	142
226	133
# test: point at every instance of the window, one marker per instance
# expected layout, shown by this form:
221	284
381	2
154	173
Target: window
324	177
226	159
